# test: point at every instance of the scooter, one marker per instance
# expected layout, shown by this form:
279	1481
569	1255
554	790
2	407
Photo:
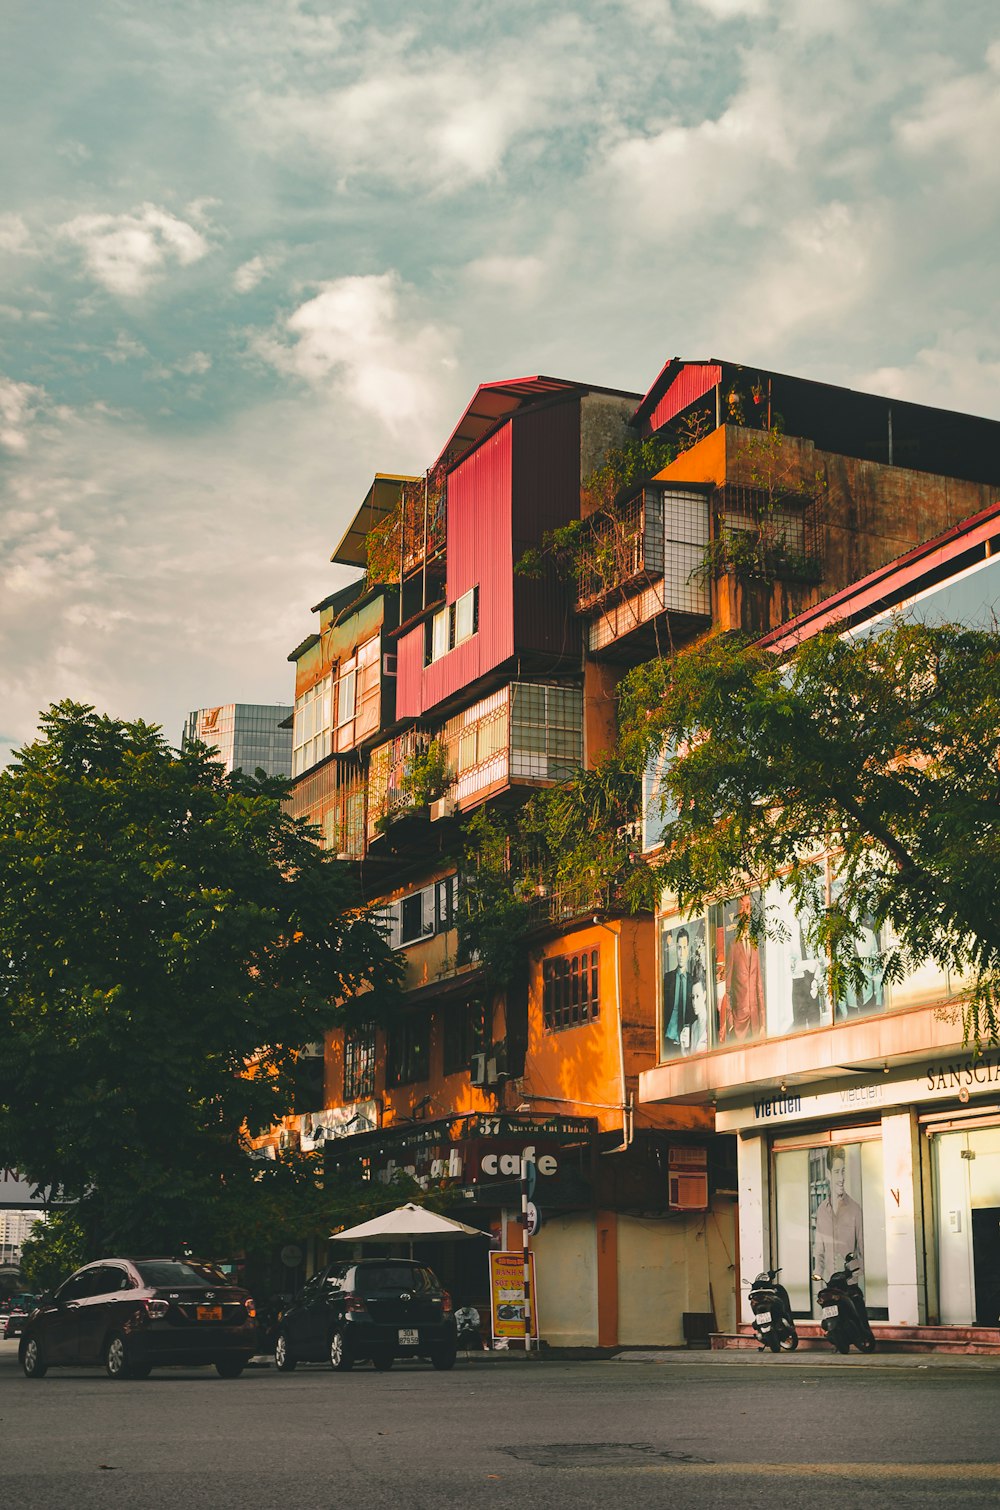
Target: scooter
843	1313
772	1314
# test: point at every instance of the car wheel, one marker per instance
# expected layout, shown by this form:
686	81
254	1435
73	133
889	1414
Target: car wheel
284	1358
383	1361
33	1360
116	1359
230	1368
443	1358
340	1352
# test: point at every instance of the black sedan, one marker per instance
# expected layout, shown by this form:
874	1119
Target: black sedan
20	1308
133	1315
378	1309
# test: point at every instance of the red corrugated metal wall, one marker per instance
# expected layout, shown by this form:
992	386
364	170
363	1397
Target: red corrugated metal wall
479	555
693	380
546	494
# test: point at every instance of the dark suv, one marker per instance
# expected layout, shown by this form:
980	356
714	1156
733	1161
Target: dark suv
377	1308
134	1314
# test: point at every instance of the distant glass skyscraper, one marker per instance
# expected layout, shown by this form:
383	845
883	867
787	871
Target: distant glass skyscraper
246	735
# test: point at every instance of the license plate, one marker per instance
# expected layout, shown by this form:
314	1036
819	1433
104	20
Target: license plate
209	1313
763	1318
408	1336
828	1313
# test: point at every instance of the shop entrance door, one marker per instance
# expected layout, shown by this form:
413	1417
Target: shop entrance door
967	1175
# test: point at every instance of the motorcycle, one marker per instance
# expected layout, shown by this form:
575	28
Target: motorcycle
772	1314
843	1313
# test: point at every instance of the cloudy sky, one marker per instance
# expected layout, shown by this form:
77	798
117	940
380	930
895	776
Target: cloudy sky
253	251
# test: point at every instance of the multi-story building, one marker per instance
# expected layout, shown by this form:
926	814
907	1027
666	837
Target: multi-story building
865	1122
247	736
444	683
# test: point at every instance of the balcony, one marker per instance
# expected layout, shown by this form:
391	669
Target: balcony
644	559
525	732
332	797
389	794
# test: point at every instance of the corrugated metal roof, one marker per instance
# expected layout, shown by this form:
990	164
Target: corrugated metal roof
493	402
889	583
380	500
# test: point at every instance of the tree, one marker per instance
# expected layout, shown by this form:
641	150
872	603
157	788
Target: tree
882	749
169	936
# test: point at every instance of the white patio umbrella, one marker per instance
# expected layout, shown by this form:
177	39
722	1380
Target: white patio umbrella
407	1224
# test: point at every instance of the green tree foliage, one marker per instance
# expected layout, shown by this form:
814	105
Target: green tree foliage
54	1249
883	748
168	936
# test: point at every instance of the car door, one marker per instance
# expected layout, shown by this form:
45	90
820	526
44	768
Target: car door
323	1289
61	1339
98	1312
299	1319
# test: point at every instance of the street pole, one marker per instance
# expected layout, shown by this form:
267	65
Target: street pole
527	1254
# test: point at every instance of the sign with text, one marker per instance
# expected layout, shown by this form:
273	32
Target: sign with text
507	1295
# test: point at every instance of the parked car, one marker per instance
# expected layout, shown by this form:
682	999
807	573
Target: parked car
17	1312
135	1314
376	1308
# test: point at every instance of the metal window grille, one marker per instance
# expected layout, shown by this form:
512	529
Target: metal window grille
570	990
333	799
787	526
359	1063
386	776
408	1057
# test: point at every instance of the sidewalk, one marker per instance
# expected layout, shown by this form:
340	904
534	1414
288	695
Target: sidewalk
735	1358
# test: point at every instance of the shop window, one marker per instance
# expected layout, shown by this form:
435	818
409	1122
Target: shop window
408	1051
359	1063
570	990
830	1201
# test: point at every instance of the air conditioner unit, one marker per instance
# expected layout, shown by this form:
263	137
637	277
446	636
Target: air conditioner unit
444	807
344	854
687	1192
388	665
477	1069
312	1050
496	1070
687	1178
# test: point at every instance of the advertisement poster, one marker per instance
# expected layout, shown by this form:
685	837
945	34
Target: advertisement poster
507	1295
686	983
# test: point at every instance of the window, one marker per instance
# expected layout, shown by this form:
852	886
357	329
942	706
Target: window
408	1051
358	695
311	726
359	1063
445	903
463	1035
453	624
570	989
420	915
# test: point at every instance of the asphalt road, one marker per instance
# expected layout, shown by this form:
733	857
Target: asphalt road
688	1431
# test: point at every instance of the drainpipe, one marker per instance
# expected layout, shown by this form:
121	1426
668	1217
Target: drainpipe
626	1103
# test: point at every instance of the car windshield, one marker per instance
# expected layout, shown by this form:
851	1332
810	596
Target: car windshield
390	1277
163	1272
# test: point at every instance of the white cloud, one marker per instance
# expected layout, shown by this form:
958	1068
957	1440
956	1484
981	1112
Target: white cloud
725	10
249	274
14	234
956	372
125	349
434	119
127	253
195	365
358	336
959	118
18	405
516	274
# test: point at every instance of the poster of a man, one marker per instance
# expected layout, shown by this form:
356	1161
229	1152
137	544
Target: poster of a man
741	1007
839	1223
684	1019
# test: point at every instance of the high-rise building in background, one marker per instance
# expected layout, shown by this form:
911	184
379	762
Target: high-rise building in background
15	1228
248	736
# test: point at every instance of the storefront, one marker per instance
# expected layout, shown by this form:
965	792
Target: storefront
900	1166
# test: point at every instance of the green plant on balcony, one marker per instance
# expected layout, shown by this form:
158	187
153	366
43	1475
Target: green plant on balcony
426	777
